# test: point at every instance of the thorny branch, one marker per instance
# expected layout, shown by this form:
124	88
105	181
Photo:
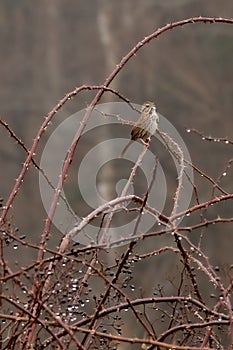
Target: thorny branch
82	296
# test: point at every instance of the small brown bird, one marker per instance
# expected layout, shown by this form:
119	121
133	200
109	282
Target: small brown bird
145	127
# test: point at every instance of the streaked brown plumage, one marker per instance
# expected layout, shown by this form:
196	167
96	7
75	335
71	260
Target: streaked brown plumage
145	126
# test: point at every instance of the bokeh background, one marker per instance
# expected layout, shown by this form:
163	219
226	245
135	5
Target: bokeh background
50	47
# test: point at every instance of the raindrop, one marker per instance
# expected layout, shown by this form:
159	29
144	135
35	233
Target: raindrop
188	130
224	174
226	141
15	246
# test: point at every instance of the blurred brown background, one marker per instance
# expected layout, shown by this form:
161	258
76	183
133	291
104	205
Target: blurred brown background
50	47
